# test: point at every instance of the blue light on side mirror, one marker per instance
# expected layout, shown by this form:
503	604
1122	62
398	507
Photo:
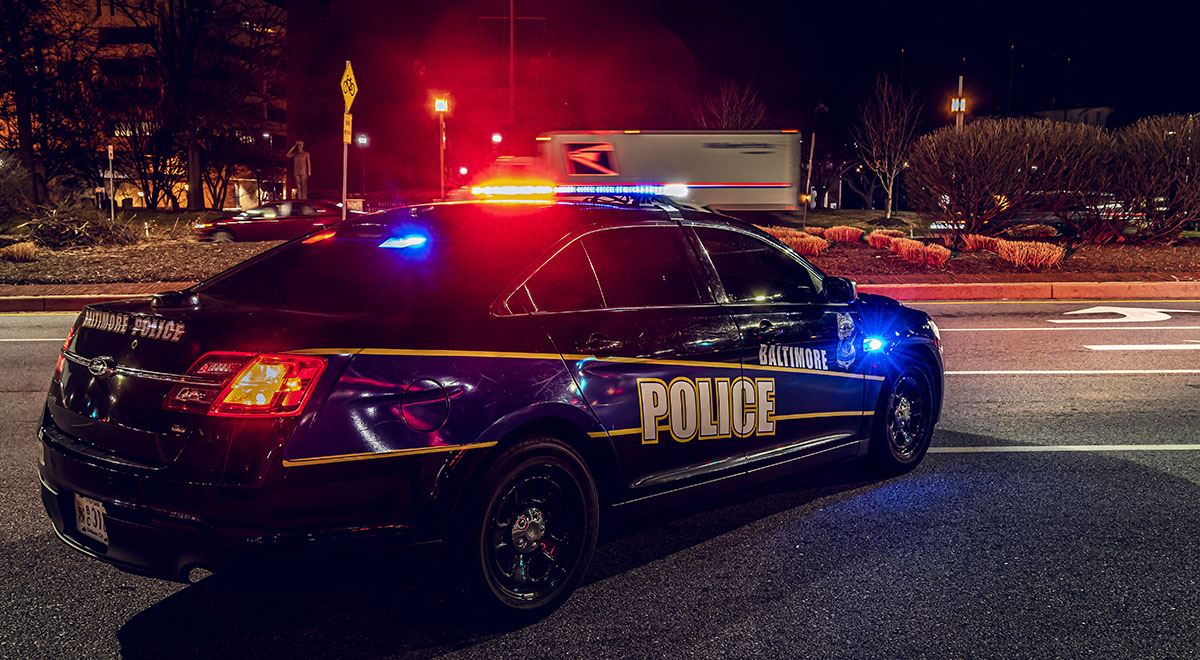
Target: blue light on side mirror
874	344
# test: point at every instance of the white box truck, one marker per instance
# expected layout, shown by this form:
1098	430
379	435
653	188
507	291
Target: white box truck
727	170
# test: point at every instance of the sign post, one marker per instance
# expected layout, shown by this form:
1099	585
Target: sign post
112	187
349	91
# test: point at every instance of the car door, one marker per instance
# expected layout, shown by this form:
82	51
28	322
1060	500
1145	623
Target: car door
256	224
801	352
652	353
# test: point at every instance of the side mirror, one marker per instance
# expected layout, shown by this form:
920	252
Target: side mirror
840	290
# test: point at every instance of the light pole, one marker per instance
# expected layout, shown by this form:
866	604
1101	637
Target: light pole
363	142
958	106
441	106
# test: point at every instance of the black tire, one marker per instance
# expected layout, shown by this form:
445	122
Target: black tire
222	237
526	539
903	422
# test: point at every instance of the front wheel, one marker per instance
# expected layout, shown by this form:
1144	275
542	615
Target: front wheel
222	236
532	530
903	424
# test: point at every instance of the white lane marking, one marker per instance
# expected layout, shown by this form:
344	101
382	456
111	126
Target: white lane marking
1127	314
1192	346
1075	328
996	449
59	339
1072	372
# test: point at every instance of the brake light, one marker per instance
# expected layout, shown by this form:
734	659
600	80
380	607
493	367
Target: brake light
247	384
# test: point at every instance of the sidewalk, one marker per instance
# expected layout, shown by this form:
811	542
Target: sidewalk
1104	286
72	297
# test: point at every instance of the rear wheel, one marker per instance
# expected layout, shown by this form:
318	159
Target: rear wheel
532	529
903	424
222	237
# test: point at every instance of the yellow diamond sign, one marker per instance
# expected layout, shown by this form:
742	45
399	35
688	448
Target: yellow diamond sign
349	86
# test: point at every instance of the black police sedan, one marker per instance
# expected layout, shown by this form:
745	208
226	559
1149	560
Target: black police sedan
491	380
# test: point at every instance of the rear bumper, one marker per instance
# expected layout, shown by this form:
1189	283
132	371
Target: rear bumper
163	528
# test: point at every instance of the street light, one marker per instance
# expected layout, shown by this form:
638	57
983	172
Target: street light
497	138
441	106
958	106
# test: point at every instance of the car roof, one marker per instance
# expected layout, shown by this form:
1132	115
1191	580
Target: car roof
589	214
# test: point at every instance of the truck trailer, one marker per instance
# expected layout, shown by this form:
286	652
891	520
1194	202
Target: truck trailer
725	170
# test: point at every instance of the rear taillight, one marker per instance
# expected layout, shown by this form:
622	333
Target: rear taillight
247	385
62	354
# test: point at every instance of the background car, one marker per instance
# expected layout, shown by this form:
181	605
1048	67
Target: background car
279	221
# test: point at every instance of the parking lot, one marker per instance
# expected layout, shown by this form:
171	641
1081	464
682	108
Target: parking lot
1057	514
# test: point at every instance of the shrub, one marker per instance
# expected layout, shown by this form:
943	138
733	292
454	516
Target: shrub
1030	254
935	255
806	244
879	240
894	233
815	231
978	242
23	252
14	188
844	234
76	224
908	249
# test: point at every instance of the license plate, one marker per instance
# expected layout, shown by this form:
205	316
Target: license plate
89	518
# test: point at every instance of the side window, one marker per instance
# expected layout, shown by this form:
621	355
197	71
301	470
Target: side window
642	266
565	283
285	210
752	270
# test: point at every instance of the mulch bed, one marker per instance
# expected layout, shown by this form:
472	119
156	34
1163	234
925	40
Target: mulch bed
180	260
1109	262
185	260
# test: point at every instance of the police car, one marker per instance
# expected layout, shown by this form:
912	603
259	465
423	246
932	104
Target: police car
491	380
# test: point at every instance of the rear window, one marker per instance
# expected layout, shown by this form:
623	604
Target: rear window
406	261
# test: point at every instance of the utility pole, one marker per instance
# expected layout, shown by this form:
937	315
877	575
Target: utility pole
512	19
512	61
958	121
1012	54
958	106
112	188
812	147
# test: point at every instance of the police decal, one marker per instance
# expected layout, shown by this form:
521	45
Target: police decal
845	348
706	408
771	355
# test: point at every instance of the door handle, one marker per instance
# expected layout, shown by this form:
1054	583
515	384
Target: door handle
599	344
765	329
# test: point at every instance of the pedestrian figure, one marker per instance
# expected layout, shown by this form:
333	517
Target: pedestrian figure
301	168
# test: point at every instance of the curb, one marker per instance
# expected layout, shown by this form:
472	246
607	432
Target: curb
71	303
907	292
1039	291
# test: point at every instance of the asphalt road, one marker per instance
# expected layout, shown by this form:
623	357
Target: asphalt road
1056	516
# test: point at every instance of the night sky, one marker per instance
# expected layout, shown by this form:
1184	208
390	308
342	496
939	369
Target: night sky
628	64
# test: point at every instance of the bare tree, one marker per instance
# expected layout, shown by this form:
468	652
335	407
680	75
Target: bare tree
46	52
213	58
1159	170
864	184
732	106
986	175
884	134
1079	177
